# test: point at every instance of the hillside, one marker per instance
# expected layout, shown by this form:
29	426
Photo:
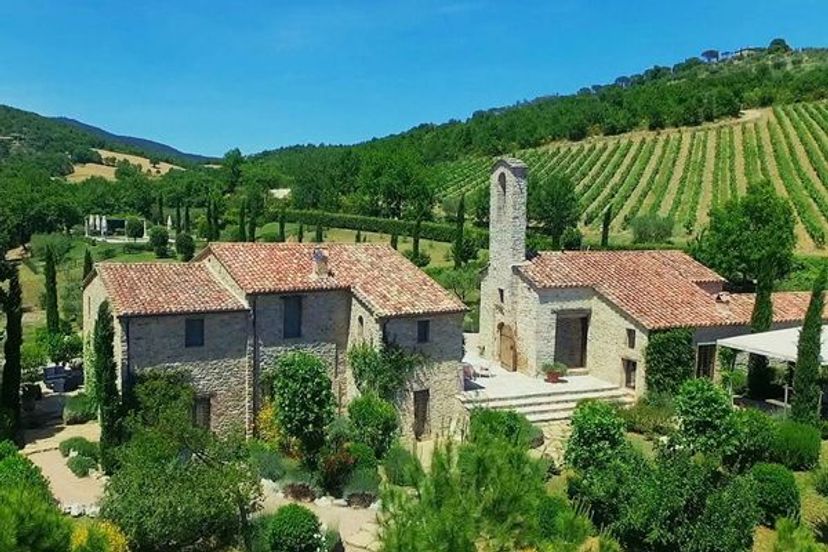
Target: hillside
683	172
149	147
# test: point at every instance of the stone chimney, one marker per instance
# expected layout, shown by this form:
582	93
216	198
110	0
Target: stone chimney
320	263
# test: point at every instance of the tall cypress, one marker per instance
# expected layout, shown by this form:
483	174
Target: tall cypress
805	405
759	373
87	263
252	215
106	385
458	252
242	224
208	217
281	236
300	235
415	246
161	209
358	236
216	222
178	215
319	235
10	383
187	217
50	272
605	227
394	238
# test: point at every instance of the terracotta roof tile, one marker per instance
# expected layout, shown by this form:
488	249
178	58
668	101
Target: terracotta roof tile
138	289
659	289
388	283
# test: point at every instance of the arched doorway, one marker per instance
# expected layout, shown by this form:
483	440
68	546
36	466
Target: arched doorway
507	353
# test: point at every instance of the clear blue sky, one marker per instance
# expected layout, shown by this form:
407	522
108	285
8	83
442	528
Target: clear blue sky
207	76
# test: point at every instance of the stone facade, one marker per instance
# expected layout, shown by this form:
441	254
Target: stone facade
239	347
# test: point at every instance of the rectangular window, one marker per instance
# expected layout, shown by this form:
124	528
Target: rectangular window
194	332
201	412
500	294
292	324
630	369
705	360
423	330
631	338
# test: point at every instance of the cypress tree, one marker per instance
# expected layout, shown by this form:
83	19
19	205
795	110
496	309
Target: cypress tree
605	227
394	238
759	373
459	238
187	217
318	236
805	405
242	224
281	236
10	383
208	217
251	221
301	233
160	208
358	236
87	263
415	246
106	385
216	221
50	272
178	215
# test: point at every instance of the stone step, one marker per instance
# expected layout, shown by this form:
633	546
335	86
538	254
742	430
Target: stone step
542	396
564	414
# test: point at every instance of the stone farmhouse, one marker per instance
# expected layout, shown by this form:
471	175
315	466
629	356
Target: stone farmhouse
595	310
227	316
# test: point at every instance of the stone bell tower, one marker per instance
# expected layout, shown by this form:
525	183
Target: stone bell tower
507	247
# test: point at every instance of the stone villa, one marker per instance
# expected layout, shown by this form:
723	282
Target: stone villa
594	310
227	315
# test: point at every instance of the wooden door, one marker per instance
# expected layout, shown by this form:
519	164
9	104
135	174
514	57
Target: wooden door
508	353
421	421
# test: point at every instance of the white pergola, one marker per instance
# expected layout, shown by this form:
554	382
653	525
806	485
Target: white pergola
776	344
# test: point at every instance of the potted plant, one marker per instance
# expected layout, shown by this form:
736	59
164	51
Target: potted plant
554	371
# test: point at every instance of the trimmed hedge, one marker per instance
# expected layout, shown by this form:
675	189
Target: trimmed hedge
776	492
670	359
796	445
293	528
80	445
81	465
79	409
428	230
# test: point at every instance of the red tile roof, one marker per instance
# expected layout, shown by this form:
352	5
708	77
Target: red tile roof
388	283
139	289
659	289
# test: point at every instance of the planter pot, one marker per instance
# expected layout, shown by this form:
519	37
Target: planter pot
361	500
553	377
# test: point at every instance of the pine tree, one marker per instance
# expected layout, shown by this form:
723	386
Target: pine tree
10	383
106	385
87	263
301	233
759	373
281	236
605	227
458	251
242	224
805	405
50	272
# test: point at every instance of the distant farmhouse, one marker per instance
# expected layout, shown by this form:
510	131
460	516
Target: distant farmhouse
229	314
595	310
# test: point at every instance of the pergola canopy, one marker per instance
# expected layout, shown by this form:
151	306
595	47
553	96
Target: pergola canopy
777	344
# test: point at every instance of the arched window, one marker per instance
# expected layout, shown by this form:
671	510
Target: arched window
501	179
360	328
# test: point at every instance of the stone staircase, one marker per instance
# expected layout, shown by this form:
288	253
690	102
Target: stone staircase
548	403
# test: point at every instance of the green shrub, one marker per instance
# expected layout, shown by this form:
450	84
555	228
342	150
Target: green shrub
597	434
649	417
751	440
31	522
728	521
80	445
7	449
703	410
374	421
159	238
362	487
267	462
363	455
79	409
300	483
508	425
335	468
294	528
793	537
184	246
651	228
776	492
796	445
401	467
670	359
820	480
571	526
548	509
17	470
81	465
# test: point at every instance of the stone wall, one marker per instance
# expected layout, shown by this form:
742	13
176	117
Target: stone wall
219	368
441	376
93	295
326	317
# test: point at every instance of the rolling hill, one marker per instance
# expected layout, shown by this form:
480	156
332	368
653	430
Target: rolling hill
683	172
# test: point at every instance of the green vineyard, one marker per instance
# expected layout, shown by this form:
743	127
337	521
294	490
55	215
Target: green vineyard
683	173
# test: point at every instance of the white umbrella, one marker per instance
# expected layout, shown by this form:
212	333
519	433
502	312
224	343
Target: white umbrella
169	223
103	225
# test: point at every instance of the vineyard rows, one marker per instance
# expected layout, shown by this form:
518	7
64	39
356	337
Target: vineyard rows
683	173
